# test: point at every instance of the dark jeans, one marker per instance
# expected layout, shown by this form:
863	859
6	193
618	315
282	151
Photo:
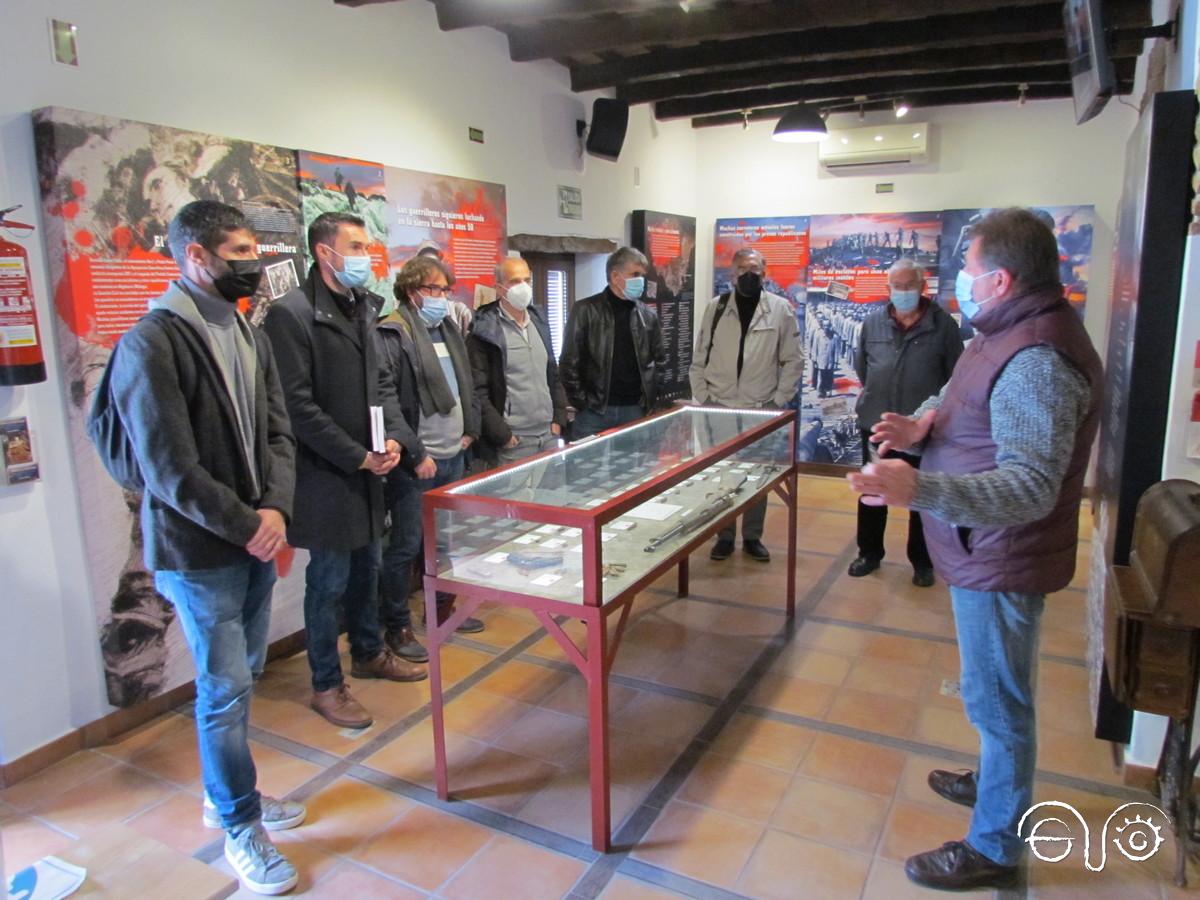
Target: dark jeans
872	520
225	615
405	543
752	523
351	577
589	422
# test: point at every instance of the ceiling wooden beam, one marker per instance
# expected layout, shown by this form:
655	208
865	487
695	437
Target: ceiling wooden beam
873	88
454	14
360	2
1043	22
914	63
954	97
558	39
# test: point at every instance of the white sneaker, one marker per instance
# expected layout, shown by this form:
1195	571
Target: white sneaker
261	868
277	815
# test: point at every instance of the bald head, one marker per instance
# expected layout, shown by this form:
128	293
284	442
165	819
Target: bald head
512	270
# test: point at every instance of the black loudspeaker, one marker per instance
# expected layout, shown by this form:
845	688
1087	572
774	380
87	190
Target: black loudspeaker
610	118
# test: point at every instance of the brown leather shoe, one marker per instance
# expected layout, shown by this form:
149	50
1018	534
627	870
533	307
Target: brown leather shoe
957	866
389	666
957	787
339	708
404	644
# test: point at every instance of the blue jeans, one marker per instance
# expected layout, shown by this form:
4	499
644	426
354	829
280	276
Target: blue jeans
589	422
998	648
225	614
405	543
351	577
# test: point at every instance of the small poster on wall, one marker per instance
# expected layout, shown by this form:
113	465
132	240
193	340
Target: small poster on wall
16	446
669	242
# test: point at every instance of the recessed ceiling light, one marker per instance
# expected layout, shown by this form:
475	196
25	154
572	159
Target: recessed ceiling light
879	137
845	140
916	134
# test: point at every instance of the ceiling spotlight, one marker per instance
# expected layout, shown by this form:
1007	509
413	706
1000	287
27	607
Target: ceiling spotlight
901	108
879	137
800	124
1022	88
745	119
916	134
685	5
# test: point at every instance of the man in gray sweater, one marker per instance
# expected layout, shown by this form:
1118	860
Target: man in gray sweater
1005	449
199	397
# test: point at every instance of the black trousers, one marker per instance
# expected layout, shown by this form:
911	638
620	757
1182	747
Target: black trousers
872	520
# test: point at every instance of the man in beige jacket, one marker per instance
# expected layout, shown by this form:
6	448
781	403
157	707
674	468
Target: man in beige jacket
747	355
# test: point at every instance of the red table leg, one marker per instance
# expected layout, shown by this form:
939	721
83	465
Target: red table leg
597	678
792	502
435	690
684	588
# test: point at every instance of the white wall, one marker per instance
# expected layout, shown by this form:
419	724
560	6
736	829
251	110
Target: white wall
277	71
998	154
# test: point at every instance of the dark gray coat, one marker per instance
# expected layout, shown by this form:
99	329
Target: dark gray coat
199	509
900	370
331	376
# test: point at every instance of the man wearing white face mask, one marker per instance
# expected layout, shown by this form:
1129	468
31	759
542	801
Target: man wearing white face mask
906	352
522	404
613	356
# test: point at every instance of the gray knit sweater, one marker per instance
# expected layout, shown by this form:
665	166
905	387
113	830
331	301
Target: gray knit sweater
1037	405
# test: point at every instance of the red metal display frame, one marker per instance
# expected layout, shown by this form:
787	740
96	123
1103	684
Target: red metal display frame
596	662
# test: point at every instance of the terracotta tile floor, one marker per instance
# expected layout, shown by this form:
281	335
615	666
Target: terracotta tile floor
814	787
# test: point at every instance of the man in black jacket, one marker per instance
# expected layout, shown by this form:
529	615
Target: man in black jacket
322	333
199	397
613	357
521	401
424	359
907	351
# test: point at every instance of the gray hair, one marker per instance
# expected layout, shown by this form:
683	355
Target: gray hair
905	264
745	252
624	257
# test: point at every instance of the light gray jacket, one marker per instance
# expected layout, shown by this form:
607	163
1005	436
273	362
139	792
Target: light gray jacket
772	361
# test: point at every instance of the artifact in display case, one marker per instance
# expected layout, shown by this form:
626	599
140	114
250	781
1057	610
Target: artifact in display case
577	532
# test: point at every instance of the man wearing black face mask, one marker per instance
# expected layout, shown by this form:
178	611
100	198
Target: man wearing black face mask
747	357
199	397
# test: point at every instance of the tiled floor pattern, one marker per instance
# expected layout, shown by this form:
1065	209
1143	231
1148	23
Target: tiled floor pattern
751	757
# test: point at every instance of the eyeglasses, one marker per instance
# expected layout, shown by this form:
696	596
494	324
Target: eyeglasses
434	290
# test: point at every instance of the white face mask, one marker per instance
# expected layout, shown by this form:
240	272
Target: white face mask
520	295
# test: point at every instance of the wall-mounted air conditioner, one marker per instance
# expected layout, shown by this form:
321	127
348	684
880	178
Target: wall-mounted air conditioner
905	143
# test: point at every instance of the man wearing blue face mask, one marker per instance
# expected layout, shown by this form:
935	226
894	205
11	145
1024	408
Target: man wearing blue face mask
322	334
425	359
906	352
613	356
1004	450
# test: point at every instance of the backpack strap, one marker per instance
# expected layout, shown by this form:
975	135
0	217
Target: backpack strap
712	333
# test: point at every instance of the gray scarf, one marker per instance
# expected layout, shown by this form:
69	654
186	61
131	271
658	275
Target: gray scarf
431	383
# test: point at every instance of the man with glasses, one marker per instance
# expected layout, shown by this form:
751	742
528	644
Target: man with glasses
747	357
322	333
425	361
613	357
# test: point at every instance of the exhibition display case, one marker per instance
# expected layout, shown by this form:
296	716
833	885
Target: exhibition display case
578	531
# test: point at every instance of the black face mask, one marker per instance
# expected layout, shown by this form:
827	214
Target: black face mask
241	279
749	284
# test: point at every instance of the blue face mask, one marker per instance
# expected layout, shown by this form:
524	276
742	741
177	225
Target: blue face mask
963	285
433	310
635	287
356	270
906	301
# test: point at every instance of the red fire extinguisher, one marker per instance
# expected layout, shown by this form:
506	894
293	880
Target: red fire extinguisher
21	360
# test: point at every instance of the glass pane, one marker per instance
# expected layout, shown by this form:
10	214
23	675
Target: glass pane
547	560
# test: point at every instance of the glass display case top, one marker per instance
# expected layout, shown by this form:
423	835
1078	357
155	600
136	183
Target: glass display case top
589	473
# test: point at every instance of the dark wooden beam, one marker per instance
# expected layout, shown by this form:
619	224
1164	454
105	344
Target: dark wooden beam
914	63
361	2
729	21
1043	22
454	14
818	94
955	97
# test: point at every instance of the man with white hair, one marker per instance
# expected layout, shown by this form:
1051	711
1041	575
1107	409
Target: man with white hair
907	351
747	357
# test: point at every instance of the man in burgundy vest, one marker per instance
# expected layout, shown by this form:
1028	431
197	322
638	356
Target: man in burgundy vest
1005	448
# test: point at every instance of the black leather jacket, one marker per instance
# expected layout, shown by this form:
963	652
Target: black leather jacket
588	350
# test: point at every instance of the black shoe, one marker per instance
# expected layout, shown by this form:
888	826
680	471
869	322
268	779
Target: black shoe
957	866
722	549
405	644
957	787
469	625
923	577
864	565
756	551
